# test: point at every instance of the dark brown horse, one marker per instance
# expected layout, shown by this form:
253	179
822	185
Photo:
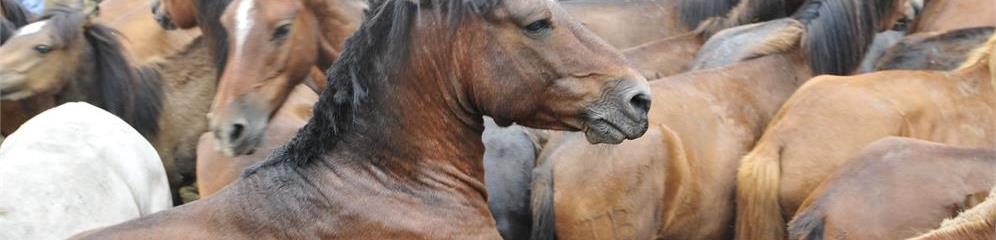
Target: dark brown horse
896	188
678	181
941	51
390	151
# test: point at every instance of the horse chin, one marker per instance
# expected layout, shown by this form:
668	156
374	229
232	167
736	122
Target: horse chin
13	87
612	132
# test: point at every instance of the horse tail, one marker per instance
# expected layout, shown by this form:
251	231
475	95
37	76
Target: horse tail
807	225
758	211
542	203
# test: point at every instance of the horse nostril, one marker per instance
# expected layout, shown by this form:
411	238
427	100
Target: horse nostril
236	131
640	102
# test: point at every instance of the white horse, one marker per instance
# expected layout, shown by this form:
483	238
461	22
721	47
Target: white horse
73	168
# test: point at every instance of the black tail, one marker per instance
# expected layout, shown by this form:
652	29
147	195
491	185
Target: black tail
542	203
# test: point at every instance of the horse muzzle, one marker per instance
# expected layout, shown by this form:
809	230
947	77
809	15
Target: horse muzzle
14	87
621	115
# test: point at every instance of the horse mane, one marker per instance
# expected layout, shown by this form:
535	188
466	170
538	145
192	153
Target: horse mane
15	13
371	58
838	32
15	16
980	55
209	20
133	94
7	30
691	13
912	48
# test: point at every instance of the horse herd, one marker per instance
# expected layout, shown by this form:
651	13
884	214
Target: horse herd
487	119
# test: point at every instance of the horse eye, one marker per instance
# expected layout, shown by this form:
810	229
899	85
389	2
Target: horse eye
281	31
538	27
43	49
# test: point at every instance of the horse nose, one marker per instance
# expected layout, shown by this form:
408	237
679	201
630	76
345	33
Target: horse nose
236	131
640	102
232	132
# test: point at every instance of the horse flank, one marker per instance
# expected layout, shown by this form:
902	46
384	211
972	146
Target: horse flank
745	12
133	94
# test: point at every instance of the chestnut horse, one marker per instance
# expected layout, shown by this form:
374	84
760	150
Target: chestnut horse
978	223
677	182
830	119
274	47
895	188
391	149
169	112
942	51
947	15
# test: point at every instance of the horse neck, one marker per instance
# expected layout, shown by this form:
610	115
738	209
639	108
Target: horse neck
410	128
979	77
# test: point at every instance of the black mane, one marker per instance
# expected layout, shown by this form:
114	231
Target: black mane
371	59
838	32
15	13
15	17
133	94
209	20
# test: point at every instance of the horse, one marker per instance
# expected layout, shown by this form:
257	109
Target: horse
683	168
275	46
116	174
947	15
168	111
793	156
215	170
896	188
942	51
361	156
975	224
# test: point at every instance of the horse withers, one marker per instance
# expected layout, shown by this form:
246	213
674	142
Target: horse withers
73	168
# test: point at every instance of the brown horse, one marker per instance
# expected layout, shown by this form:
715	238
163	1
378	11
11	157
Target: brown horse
978	223
169	112
390	151
215	170
830	119
677	182
947	15
274	46
895	189
942	51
